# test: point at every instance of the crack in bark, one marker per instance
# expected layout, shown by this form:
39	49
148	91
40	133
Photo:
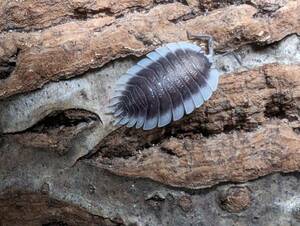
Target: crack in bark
209	5
184	2
188	16
61	119
82	13
56	132
65	118
7	66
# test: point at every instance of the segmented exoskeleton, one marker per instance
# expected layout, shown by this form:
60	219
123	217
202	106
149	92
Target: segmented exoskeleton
168	83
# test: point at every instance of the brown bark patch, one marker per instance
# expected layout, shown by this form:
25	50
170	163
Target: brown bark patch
74	48
230	138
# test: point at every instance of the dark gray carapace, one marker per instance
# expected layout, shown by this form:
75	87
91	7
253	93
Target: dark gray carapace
168	83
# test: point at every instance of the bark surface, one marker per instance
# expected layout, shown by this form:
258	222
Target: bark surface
234	161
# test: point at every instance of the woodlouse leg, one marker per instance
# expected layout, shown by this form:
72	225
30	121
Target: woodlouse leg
203	37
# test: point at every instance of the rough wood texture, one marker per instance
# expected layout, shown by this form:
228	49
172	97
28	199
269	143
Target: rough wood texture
221	165
39	209
72	48
255	118
34	15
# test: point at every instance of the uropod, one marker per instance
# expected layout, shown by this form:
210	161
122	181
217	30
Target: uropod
170	82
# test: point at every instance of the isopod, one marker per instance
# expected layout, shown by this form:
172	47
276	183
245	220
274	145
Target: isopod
170	82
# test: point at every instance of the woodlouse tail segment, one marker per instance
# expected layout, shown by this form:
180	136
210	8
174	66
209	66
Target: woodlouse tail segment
213	78
203	37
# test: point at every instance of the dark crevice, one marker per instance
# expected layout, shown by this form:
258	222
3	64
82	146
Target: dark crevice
57	131
216	4
266	9
60	120
64	118
81	13
135	9
117	145
111	153
278	106
167	151
8	66
297	130
64	20
184	2
185	17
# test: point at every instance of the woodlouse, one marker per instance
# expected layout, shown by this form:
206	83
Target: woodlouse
168	83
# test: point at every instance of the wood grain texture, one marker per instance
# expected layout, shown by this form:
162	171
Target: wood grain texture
234	161
72	48
248	129
35	15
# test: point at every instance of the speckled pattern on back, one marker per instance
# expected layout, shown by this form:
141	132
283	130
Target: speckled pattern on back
168	83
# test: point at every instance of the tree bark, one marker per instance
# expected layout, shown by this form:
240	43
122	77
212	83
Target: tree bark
234	161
